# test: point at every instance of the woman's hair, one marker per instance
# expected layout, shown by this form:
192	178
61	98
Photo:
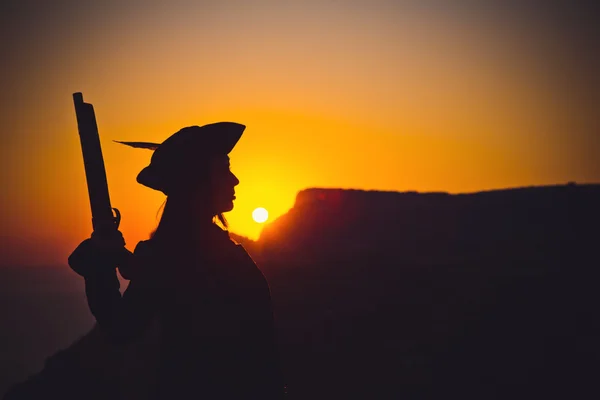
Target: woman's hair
221	218
173	217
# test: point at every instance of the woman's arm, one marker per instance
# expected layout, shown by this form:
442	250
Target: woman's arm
121	318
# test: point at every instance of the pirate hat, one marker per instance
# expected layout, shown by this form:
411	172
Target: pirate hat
183	154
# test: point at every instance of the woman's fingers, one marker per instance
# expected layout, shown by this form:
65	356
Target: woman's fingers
108	241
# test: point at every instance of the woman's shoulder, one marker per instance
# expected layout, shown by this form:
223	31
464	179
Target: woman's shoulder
143	249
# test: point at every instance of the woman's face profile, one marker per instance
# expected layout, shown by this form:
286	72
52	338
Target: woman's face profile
222	185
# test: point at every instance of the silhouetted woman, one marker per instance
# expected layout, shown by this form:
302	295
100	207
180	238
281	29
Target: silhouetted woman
212	303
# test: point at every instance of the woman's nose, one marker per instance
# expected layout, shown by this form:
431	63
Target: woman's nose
235	180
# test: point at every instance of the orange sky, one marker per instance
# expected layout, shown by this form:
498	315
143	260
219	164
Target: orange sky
366	95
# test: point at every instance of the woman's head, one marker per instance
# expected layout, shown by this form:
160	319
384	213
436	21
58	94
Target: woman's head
192	168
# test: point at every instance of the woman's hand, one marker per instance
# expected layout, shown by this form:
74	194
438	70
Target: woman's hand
98	254
108	242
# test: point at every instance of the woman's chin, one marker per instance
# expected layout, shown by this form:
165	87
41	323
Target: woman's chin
227	207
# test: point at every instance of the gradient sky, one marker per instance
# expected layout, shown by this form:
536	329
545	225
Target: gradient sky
387	95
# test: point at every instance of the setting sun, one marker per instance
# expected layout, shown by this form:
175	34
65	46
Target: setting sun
260	215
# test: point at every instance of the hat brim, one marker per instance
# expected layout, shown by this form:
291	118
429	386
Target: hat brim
150	178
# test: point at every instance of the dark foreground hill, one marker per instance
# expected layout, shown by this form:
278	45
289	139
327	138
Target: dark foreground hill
390	295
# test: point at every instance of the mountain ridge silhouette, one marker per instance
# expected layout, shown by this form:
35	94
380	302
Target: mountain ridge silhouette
324	212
